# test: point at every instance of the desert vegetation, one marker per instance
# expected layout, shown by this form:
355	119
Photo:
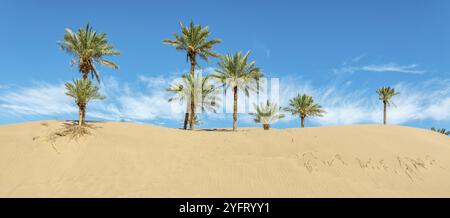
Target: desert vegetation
201	91
83	91
235	72
304	106
267	113
87	48
441	130
385	95
194	41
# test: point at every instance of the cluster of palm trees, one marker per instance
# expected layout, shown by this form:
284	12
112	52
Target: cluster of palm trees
87	48
235	72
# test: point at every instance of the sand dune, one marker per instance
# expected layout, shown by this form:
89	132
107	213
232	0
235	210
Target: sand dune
134	160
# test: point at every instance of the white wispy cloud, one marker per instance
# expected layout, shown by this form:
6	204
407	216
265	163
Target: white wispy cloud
393	67
358	58
142	102
39	99
429	100
123	102
146	100
352	65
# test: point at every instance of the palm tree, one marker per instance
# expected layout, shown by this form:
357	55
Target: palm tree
304	106
385	94
194	41
237	73
201	90
267	114
197	120
442	131
88	47
83	91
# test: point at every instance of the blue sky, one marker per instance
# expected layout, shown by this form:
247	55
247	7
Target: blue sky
338	51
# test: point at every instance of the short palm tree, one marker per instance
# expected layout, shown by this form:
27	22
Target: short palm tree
304	106
83	91
194	41
201	90
88	47
442	131
236	72
385	94
267	114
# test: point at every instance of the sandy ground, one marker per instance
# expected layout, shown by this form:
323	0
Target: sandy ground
135	160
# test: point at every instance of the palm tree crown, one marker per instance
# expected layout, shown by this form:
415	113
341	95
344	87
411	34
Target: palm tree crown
236	72
267	113
83	91
88	47
194	41
386	93
304	106
201	91
205	92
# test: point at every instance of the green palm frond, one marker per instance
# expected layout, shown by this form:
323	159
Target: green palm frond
267	113
194	41
88	47
385	94
235	71
83	91
204	91
304	105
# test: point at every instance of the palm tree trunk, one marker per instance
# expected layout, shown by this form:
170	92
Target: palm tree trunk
81	115
303	120
192	117
384	114
80	119
84	70
235	90
84	115
266	126
186	116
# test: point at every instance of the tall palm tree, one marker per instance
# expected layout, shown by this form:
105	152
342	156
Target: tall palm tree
201	90
267	114
83	91
88	47
385	94
442	131
194	41
304	106
236	72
